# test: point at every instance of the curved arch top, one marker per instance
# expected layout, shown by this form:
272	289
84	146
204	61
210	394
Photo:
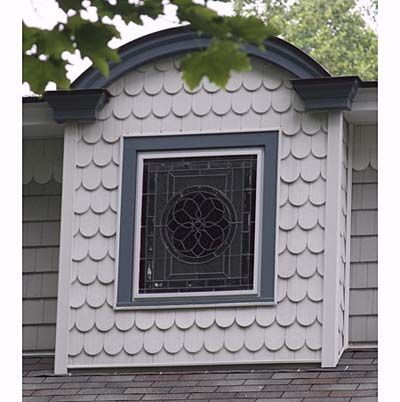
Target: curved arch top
180	40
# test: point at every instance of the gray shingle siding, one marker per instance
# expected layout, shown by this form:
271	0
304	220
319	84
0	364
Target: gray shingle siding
364	238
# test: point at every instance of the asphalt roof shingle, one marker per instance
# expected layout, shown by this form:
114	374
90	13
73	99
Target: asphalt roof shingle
354	379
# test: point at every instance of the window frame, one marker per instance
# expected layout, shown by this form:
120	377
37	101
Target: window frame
131	148
141	156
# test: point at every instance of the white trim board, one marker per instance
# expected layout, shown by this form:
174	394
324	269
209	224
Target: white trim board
330	354
66	242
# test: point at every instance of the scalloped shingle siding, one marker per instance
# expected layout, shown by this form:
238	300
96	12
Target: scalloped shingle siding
42	167
153	99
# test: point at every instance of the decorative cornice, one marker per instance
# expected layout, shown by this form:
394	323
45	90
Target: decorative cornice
79	105
328	93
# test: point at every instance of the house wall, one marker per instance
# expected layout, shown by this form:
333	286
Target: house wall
42	172
153	99
364	237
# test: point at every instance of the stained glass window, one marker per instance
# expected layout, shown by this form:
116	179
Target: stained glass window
197	228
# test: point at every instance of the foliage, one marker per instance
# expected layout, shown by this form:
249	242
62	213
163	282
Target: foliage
44	50
333	32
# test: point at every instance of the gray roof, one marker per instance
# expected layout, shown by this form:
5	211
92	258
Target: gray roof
354	379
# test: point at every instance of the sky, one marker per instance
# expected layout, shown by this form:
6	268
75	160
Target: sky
46	13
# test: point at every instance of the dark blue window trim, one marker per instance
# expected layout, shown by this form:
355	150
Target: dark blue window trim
132	145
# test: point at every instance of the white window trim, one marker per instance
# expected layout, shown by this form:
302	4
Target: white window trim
258	217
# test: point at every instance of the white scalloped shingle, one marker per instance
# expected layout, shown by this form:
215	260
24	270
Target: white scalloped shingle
133	82
102	153
235	81
99	200
296	288
85	318
308	216
254	338
306	264
231	121
87	271
241	101
297	240
153	81
252	80
283	193
172	81
315	239
306	312
274	337
301	145
210	122
311	168
107	223
105	318
250	121
245	316
282	241
162	104
314	336
96	294
110	295
91	177
122	106
298	193
153	340
225	317
311	122
171	124
151	124
214	339
290	169
80	247
295	337
78	295
165	319
221	102
291	121
281	99
319	144
173	340
261	100
318	192
88	224
315	288
193	339
142	104
93	342
110	176
76	341
124	320
133	341
113	342
91	133
234	338
205	318
285	145
112	129
182	104
288	216
281	289
82	200
265	316
286	265
201	103
98	247
144	319
116	87
272	77
184	319
84	153
285	312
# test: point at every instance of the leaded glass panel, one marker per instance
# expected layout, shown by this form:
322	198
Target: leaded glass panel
197	229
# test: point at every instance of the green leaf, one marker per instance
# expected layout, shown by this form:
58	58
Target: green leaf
38	73
67	5
216	63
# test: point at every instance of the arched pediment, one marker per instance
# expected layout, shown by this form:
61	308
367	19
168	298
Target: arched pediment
175	41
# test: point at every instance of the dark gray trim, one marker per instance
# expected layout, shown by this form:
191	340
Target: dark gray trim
77	105
133	145
333	93
174	41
